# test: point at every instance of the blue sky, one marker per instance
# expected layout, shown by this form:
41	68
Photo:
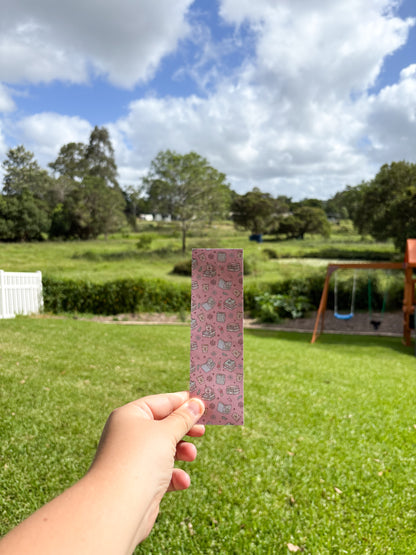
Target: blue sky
295	97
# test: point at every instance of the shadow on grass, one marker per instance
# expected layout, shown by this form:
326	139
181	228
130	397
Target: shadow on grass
394	343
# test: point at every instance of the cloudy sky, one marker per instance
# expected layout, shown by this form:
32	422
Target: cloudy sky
296	97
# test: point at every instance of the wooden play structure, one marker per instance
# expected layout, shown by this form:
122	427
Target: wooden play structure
409	299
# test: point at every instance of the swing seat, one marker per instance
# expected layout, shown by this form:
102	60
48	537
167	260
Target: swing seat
344	316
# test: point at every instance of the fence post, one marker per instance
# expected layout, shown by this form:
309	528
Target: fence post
40	291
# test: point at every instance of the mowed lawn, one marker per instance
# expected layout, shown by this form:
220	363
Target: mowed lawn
325	461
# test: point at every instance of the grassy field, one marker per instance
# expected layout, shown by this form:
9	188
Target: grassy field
325	460
118	257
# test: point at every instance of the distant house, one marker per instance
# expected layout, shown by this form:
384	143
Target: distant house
146	217
155	218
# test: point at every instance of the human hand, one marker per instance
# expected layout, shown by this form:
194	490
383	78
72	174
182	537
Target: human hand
138	447
114	506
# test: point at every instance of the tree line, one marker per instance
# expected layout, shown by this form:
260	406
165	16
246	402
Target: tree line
79	197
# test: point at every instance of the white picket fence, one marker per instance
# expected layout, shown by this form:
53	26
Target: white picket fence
20	293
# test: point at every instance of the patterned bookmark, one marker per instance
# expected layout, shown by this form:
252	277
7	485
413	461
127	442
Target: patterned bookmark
217	334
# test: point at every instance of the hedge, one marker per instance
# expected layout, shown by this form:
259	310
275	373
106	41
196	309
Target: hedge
114	297
153	295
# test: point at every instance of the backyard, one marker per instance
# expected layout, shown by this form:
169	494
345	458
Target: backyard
325	462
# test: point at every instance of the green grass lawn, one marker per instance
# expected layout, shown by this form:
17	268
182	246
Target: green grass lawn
325	461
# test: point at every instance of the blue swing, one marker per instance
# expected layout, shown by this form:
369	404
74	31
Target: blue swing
350	314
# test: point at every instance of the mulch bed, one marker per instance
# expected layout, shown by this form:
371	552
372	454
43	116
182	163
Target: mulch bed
391	324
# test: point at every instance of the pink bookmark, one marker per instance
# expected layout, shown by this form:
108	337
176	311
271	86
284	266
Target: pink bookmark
217	334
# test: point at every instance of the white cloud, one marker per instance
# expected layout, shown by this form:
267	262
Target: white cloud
320	47
392	119
295	117
120	39
45	133
6	101
3	145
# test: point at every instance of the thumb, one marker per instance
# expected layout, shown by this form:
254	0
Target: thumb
184	418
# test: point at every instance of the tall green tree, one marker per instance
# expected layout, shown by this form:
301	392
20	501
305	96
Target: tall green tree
71	161
76	160
257	212
99	157
23	173
346	204
186	188
91	208
23	218
88	199
24	208
386	207
305	219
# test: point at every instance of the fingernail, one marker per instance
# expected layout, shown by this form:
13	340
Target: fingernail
195	406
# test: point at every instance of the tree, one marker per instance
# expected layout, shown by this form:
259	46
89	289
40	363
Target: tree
256	211
71	161
89	209
305	219
99	157
386	210
24	210
87	197
76	160
311	202
186	188
22	218
135	204
23	173
346	204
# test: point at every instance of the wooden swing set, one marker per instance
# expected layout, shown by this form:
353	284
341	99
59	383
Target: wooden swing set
409	299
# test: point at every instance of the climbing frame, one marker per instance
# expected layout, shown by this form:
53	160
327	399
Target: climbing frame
409	300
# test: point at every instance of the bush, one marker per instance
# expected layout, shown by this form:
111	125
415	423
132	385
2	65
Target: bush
114	297
155	295
336	253
183	268
271	254
145	240
272	308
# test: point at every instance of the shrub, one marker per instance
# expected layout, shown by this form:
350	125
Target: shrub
155	295
183	268
271	254
114	297
272	308
144	241
336	253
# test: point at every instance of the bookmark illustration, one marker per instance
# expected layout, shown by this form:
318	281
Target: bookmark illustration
216	374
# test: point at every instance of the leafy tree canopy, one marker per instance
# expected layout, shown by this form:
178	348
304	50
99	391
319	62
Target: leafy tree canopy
23	173
256	211
305	219
71	161
187	188
386	209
